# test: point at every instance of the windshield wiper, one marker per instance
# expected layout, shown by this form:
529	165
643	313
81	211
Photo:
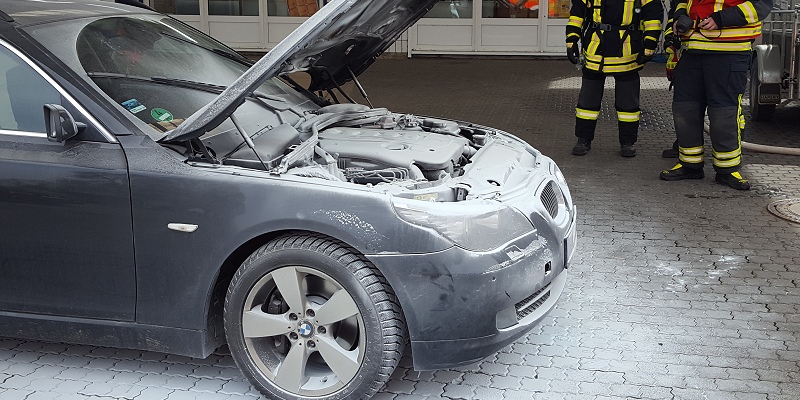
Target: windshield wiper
206	87
209	87
226	54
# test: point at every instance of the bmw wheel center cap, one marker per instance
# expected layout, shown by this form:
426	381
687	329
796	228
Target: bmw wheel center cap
305	329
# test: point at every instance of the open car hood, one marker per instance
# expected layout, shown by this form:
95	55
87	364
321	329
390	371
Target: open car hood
342	37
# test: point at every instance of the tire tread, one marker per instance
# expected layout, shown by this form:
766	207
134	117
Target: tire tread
392	324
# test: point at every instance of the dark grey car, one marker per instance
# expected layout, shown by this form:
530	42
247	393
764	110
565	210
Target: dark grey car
160	192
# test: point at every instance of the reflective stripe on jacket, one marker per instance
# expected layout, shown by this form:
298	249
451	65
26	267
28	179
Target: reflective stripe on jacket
739	23
613	33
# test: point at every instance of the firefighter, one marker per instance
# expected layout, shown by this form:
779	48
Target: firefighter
710	78
618	37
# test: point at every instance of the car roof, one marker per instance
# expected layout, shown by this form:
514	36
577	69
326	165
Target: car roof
27	12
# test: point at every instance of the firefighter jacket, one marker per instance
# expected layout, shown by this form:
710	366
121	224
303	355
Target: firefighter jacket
614	32
739	23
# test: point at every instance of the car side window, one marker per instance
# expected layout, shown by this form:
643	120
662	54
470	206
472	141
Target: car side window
23	93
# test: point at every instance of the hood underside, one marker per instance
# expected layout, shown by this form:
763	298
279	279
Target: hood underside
334	45
355	39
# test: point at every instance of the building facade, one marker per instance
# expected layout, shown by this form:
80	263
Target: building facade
452	27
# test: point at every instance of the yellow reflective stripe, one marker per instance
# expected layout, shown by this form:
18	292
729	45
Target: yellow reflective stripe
575	21
717	46
624	116
728	163
586	114
740	119
594	42
611	60
745	32
718	5
691	150
627	12
649	38
749	12
691	159
652	25
614	68
628	49
681	6
626	46
727	155
596	12
573	34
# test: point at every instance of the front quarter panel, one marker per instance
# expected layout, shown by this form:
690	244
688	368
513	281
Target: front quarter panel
177	270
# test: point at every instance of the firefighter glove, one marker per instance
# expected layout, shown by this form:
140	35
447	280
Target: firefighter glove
683	24
573	52
672	61
671	40
644	56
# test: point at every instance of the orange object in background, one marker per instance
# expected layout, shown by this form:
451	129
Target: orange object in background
532	4
302	8
558	8
529	4
516	9
555	8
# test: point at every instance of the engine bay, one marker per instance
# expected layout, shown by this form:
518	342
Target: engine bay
411	156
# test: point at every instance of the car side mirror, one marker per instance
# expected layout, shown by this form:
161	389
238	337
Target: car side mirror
59	123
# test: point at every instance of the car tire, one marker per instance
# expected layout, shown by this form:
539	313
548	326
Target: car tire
308	317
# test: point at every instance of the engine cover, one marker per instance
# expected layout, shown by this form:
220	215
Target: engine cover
398	148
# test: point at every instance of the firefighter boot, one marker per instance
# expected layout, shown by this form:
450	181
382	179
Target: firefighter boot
627	150
671	153
733	179
681	172
582	147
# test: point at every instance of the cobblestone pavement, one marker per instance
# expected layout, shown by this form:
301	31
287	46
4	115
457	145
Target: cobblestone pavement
679	290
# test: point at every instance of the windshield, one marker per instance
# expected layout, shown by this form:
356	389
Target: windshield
162	71
143	47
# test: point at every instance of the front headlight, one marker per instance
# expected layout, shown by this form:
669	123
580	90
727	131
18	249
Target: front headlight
564	188
559	175
480	226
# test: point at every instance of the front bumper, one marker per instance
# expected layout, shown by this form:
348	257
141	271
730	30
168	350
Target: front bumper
462	306
438	354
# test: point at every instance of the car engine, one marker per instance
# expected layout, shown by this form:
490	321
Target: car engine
408	155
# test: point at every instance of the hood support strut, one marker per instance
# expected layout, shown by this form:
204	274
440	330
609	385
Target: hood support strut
248	140
360	88
339	88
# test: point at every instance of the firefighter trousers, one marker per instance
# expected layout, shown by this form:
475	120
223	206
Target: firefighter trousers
710	82
626	102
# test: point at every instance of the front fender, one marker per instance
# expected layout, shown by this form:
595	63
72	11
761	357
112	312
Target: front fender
175	270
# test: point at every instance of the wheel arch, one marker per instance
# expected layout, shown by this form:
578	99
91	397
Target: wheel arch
216	297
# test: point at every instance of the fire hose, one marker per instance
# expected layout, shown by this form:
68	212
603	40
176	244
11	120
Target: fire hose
762	148
789	151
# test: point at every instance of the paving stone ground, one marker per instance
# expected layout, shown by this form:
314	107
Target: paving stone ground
679	290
